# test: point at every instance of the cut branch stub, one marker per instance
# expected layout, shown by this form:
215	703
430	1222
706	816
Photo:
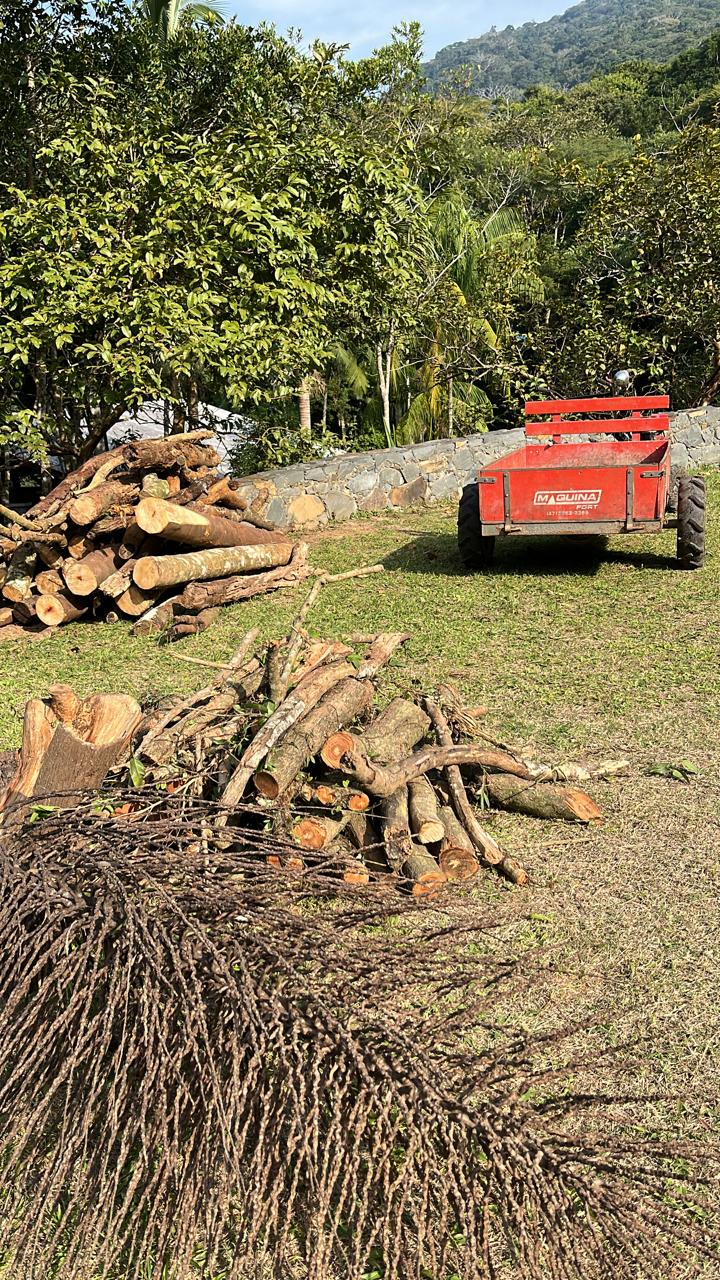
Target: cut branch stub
83	577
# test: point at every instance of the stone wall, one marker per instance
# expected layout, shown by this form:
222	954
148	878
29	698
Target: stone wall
310	495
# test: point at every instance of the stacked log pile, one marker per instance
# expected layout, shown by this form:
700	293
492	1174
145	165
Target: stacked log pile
289	741
150	532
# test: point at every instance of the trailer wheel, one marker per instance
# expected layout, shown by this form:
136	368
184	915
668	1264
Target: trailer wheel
476	551
691	522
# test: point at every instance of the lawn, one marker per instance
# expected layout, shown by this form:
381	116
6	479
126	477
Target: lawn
575	649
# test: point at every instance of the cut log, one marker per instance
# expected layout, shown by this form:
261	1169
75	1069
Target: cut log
156	618
340	706
316	832
79	543
423	870
49	582
390	737
457	856
83	577
297	704
204	595
424	818
152	572
57	757
135	601
352	869
88	507
60	608
21	567
6	616
541	799
172	451
403	856
195	527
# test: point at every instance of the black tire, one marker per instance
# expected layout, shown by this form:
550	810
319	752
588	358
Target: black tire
691	522
476	551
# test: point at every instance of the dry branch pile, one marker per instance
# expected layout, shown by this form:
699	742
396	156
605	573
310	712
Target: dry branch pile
150	532
290	739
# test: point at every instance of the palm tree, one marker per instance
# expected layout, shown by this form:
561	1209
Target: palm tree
166	15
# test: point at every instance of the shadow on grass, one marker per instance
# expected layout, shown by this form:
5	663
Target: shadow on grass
538	557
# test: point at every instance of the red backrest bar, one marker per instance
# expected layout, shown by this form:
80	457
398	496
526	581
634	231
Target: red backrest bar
655	422
600	404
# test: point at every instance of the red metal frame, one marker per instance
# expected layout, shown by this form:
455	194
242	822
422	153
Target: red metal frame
556	484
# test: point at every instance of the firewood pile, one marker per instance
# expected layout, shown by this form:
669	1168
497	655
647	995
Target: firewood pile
289	742
149	532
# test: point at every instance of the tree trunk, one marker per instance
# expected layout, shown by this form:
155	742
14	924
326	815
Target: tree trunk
152	572
83	577
340	706
70	745
424	818
540	799
305	410
195	527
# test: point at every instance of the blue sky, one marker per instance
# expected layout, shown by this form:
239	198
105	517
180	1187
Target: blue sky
364	25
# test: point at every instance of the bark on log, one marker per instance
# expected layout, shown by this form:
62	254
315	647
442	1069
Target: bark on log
224	492
21	567
390	737
541	799
51	556
156	618
87	508
464	811
340	706
167	571
172	451
381	650
297	704
55	610
49	582
58	757
189	624
195	527
457	856
25	611
79	543
424	818
402	854
204	595
83	577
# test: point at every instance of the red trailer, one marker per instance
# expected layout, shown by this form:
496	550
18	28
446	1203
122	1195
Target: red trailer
618	482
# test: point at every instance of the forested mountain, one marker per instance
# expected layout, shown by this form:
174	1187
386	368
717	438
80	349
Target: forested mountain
586	40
